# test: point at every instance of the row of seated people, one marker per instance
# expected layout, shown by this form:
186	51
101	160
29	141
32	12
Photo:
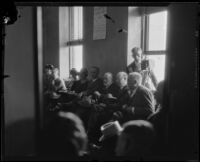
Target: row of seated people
102	101
98	101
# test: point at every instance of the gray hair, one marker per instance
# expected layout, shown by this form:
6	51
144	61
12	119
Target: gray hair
123	74
109	74
137	76
136	49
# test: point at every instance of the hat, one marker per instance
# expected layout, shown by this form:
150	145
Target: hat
110	129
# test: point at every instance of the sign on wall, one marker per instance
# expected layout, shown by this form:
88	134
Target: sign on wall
99	29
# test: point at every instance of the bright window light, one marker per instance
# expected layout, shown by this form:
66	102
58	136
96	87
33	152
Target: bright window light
157	31
77	57
158	62
77	23
64	62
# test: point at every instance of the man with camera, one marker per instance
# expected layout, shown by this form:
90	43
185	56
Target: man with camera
143	66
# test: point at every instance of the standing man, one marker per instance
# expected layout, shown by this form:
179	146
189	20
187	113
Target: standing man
144	68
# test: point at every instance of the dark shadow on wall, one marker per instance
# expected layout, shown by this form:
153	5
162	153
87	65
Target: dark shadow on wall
19	139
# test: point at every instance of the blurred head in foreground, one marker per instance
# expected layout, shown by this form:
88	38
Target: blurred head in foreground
65	136
136	139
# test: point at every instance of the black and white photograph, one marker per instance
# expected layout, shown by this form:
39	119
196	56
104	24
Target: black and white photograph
100	81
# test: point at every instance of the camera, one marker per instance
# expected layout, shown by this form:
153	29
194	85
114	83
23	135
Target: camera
145	64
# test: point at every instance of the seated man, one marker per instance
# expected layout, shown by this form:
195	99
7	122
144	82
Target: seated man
81	84
48	71
140	103
77	88
56	85
101	114
95	83
82	107
136	140
109	90
72	78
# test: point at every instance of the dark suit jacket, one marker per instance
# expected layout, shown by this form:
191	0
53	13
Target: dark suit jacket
112	89
122	98
79	87
133	67
141	104
94	86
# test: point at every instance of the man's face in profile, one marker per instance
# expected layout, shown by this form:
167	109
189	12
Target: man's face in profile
107	80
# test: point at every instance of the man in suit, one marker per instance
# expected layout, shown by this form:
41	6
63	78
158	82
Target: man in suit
102	114
95	82
140	103
88	96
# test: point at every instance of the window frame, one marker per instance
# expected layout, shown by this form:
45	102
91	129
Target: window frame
73	42
145	37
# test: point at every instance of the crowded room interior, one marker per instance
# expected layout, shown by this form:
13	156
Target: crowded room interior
100	82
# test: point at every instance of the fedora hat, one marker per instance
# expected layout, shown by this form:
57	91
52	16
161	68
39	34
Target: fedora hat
110	129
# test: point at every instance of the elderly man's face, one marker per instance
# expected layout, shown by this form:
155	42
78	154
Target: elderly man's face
137	55
132	83
121	81
107	80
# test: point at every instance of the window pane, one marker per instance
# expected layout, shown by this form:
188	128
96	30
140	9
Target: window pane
77	23
157	31
158	65
64	62
76	57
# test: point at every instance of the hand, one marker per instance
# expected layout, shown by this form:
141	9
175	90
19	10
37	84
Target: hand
124	107
109	95
129	109
96	93
80	95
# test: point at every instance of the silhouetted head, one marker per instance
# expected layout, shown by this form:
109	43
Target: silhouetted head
136	139
94	72
65	136
83	73
73	73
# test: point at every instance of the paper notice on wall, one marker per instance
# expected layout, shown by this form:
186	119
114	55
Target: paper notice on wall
99	30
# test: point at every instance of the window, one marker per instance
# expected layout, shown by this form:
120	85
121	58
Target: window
154	44
71	35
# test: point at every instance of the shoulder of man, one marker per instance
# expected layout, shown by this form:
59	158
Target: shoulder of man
144	89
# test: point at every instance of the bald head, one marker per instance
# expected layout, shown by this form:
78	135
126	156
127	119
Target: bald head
134	80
